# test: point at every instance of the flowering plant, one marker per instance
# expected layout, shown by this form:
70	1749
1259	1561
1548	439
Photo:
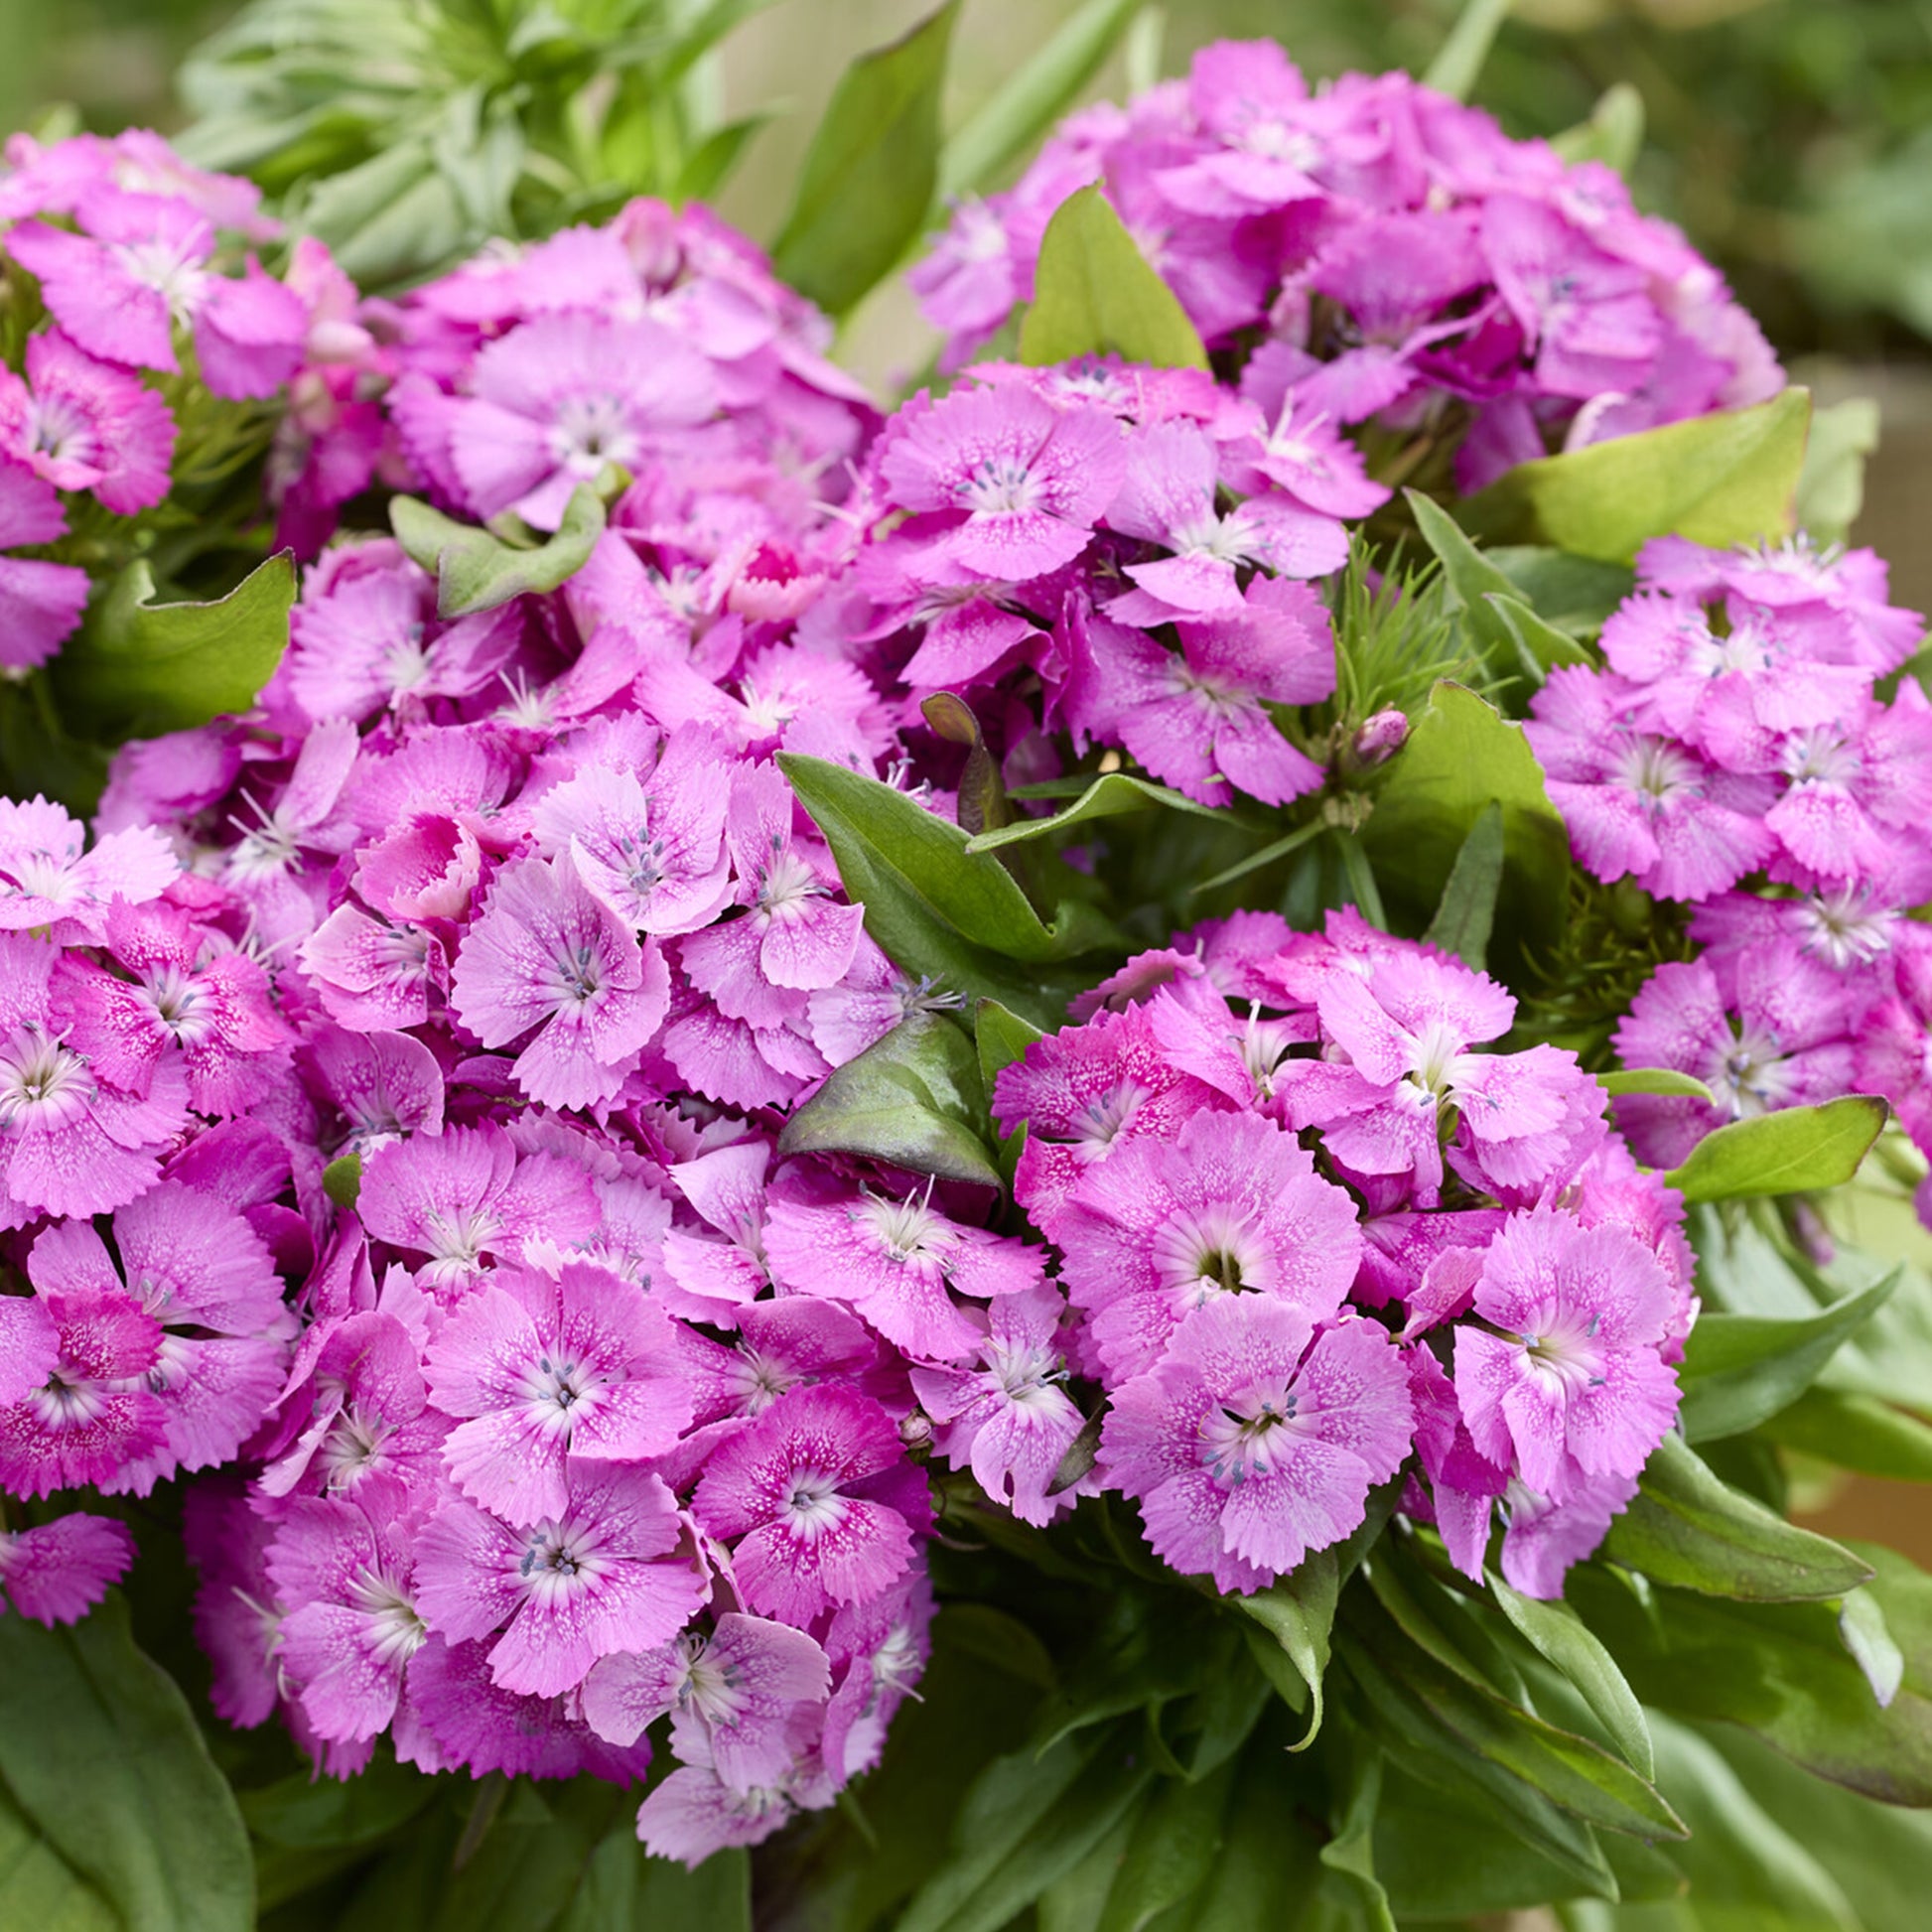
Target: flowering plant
1064	1155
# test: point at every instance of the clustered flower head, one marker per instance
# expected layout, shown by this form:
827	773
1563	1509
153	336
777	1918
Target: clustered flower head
1372	252
1734	755
142	297
1307	1222
1115	554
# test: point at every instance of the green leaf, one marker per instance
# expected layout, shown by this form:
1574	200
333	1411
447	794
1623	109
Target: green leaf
1562	1637
935	908
1175	1846
1458	60
342	1181
1461	758
1349	1855
1466	911
1665	1081
139	669
1297	1611
1720	480
1575	594
1613	134
1001	1038
868	178
1026	103
476	571
1688	1528
1739	1369
981	791
39	756
111	1802
707	165
1854	1431
912	1100
1793	1151
306	1812
1831	487
624	1890
1107	798
1095	294
1862	1624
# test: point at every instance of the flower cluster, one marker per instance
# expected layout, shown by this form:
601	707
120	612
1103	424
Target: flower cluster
145	312
1734	755
1115	553
1306	1224
1374	252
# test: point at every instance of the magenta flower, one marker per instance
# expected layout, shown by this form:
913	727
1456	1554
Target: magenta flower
551	1374
557	401
1014	484
1258	1436
603	1575
1081	1095
1170	495
1010	1419
549	958
819	1500
893	1261
793	936
40	602
1198	720
714	1274
739	1688
1573	1384
70	1144
695	1813
56	1572
651	850
87	426
1639	803
464	1201
880	1650
371	975
351	1627
49	878
1230	1206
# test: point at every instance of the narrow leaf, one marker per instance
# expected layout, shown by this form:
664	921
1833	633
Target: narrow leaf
1299	1612
1107	798
1459	59
1559	1635
1831	487
476	571
1001	1037
1466	911
1739	1369
867	180
1793	1151
1862	1623
1854	1431
139	669
1688	1528
1095	294
1656	1079
1613	134
1720	480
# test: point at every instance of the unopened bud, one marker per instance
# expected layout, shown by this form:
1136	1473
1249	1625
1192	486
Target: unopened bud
1380	737
915	1431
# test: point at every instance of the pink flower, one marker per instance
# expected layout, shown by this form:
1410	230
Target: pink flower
1010	1419
1231	1206
549	958
56	1572
85	425
40	602
603	1575
1574	1385
893	1261
48	878
553	1374
1015	485
1258	1436
739	1688
820	1502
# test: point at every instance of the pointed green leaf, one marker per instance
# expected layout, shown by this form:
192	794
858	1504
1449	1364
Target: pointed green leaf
108	1792
1862	1623
476	571
1299	1612
1028	101
1461	758
1563	1639
1575	594
1688	1528
1466	911
869	177
912	1100
1107	798
1718	479
1001	1037
1458	60
1665	1081
1739	1369
1831	488
139	669
1095	294
1613	134
1793	1151
1854	1431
